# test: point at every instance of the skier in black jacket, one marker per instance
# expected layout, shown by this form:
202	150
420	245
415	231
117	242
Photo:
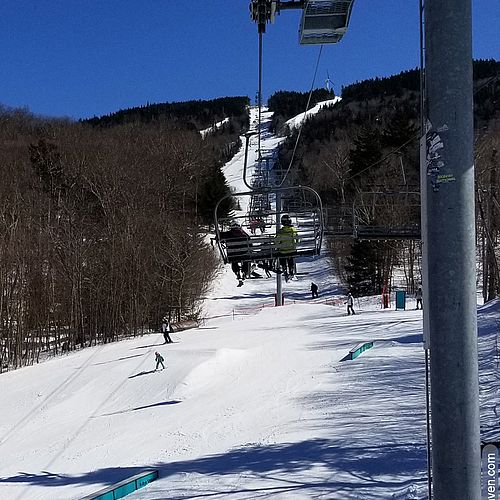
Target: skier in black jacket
241	241
159	361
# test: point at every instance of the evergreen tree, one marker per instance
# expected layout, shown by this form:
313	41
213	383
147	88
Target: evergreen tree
46	161
400	128
361	268
366	153
211	191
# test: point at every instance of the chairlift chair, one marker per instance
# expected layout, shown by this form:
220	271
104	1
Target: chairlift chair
307	219
387	215
324	21
339	221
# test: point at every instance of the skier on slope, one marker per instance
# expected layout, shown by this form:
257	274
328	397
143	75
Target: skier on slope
267	266
350	304
418	297
159	361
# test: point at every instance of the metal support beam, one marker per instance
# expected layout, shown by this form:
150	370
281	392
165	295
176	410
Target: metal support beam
279	283
450	233
259	103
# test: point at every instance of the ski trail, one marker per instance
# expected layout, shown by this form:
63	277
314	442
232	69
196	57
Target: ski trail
19	424
75	435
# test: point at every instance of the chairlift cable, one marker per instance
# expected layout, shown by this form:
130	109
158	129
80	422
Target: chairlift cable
259	96
305	115
378	162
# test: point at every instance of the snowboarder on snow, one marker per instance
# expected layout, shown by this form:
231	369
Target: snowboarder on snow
314	290
159	361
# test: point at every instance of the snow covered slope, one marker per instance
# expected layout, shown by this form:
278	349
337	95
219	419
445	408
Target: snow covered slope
298	120
257	404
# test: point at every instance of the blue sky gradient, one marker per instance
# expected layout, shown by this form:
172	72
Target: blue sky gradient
80	58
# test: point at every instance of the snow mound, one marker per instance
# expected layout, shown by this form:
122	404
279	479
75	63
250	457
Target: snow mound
223	365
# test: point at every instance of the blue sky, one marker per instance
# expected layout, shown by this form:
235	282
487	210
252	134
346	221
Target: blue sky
81	58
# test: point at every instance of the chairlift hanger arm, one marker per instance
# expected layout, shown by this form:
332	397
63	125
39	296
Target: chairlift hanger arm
271	189
245	163
264	11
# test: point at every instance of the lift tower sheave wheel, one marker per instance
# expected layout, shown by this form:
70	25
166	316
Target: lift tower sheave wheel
262	12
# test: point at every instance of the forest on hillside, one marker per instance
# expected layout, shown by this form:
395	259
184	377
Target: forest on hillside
102	226
362	156
196	115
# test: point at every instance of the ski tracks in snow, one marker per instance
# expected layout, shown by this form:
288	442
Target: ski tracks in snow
94	414
43	404
70	439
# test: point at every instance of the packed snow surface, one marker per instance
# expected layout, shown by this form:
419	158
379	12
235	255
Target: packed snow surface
254	404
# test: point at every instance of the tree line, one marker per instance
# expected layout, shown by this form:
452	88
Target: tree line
102	229
103	221
195	114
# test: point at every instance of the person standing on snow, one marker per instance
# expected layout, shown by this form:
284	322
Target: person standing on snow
159	361
418	296
286	244
314	290
350	304
165	329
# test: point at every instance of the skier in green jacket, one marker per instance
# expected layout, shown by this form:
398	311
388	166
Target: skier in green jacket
286	244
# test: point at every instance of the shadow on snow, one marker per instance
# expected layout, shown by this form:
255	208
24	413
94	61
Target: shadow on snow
384	466
154	405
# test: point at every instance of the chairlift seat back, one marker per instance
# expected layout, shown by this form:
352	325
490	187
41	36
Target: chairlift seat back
262	243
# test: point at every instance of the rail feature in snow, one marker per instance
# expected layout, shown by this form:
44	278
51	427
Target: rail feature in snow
357	350
125	487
